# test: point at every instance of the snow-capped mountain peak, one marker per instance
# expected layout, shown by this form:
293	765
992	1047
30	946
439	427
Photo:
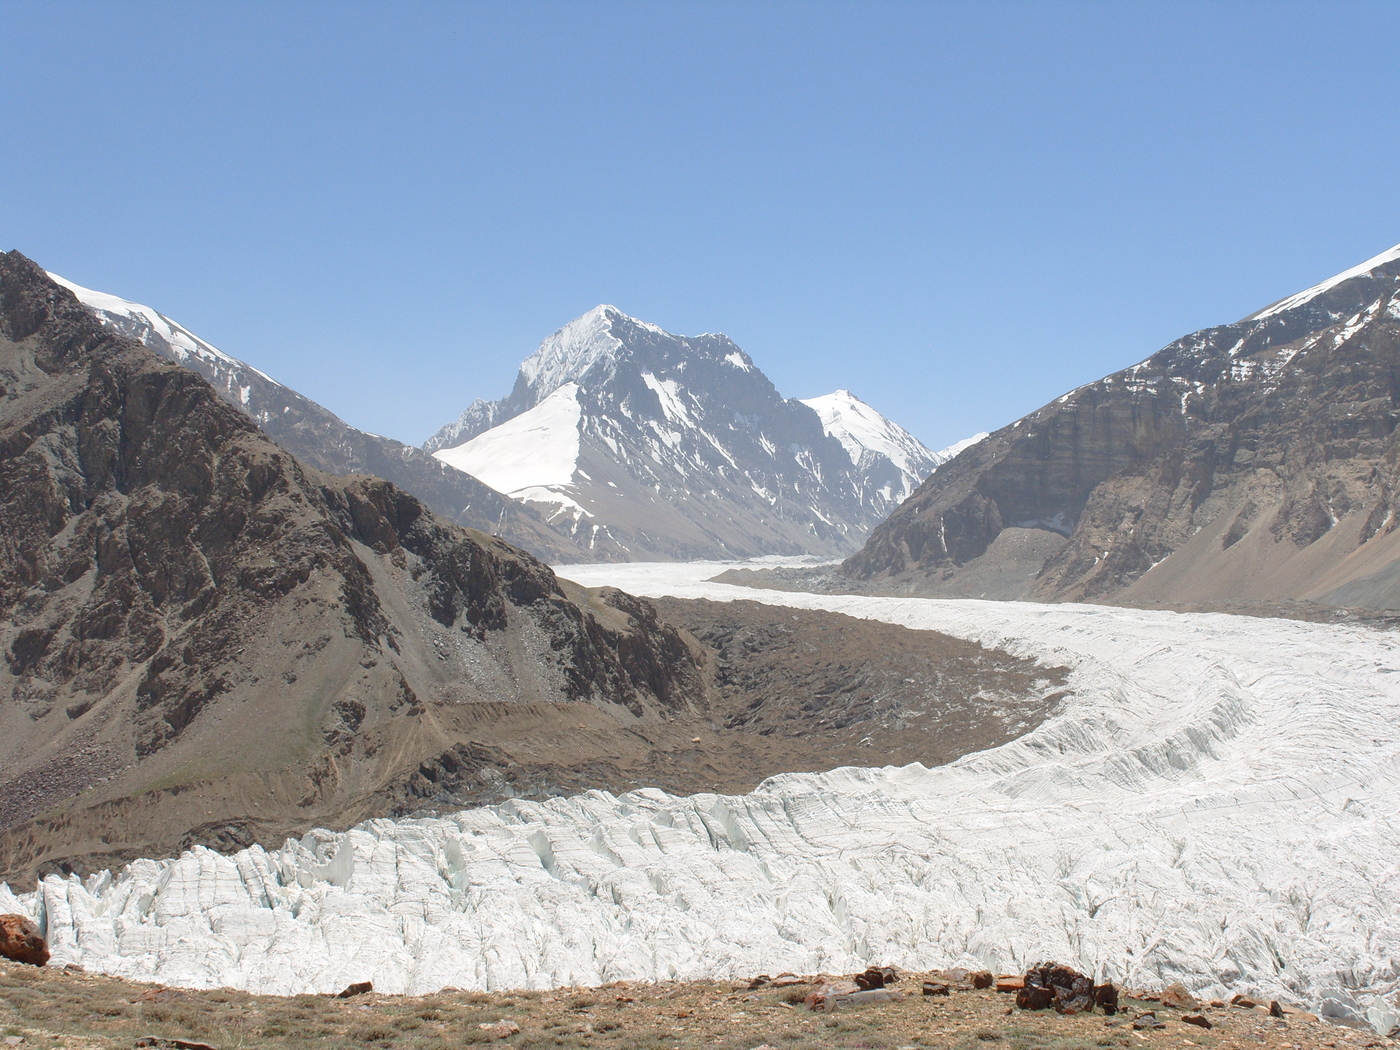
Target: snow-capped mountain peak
646	444
572	352
867	436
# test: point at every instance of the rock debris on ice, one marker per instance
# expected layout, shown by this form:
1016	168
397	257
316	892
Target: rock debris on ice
1216	803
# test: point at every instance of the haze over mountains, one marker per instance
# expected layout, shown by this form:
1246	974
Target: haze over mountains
1253	462
643	445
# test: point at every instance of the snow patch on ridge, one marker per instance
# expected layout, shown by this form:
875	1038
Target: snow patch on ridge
1308	294
142	322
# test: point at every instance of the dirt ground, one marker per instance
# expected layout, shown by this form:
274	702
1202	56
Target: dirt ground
52	1008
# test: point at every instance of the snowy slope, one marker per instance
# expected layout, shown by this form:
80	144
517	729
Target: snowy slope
531	456
869	438
684	449
1307	295
152	328
1216	803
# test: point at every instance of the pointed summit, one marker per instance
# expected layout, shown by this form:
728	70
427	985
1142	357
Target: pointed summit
643	444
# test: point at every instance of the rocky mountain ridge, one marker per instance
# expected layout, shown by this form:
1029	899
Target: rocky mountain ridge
317	436
206	641
1252	462
644	445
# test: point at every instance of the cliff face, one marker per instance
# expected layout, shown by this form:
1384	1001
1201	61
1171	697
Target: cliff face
206	641
1251	462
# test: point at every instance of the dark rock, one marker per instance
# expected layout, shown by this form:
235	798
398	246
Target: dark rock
876	977
21	940
1146	1021
1275	1010
1199	1020
981	979
1106	997
935	988
1035	997
358	988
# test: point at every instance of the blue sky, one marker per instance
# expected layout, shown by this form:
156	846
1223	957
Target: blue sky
959	211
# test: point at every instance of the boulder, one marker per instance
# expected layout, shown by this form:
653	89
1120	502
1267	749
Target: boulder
824	996
1010	983
876	977
981	979
1106	997
935	988
1146	1021
1199	1020
1177	997
1051	984
21	940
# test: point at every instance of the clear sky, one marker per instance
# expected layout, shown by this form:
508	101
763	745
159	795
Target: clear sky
958	211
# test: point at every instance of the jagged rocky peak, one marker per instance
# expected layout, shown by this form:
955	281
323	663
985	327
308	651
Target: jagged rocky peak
644	444
1252	462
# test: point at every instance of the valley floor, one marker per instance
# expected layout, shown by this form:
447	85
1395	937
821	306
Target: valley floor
51	1008
1214	802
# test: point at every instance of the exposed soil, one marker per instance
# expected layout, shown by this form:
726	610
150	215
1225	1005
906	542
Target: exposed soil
51	1008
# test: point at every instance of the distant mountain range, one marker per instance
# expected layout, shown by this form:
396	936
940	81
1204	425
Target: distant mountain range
640	444
1242	465
619	442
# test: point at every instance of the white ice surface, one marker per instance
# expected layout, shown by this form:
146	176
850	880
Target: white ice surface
1216	802
526	454
1299	298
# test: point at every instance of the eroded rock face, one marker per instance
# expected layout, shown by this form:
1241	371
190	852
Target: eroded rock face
210	641
1251	461
21	940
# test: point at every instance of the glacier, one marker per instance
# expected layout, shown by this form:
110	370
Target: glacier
1215	802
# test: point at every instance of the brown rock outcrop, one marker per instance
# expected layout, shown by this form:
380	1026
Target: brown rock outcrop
21	940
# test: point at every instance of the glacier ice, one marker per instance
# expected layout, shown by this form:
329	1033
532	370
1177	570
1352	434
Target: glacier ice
1215	802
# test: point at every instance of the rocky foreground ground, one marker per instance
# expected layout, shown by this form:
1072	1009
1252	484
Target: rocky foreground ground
50	1007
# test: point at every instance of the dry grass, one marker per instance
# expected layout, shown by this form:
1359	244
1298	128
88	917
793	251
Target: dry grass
51	1008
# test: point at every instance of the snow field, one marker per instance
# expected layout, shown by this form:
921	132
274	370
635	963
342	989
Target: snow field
1215	802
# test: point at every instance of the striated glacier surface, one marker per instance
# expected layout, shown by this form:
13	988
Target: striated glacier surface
1216	802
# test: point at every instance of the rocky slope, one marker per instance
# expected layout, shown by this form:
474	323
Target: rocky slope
317	436
206	641
645	445
1253	462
